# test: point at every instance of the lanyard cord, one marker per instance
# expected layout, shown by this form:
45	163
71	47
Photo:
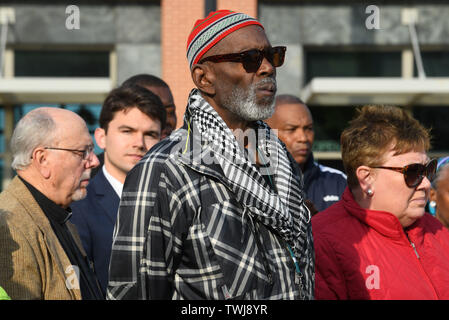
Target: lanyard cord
292	254
298	270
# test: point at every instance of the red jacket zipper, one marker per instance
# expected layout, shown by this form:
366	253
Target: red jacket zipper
426	277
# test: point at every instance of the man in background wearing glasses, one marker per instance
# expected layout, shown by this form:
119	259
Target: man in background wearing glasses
41	256
216	211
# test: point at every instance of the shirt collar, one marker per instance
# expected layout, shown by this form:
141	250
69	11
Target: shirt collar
116	185
53	211
382	221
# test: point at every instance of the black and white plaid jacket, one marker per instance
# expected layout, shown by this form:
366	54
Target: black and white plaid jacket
192	228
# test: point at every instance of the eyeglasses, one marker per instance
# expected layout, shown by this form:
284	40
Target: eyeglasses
252	59
85	154
415	173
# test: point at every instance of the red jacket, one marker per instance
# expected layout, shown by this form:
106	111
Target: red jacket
366	254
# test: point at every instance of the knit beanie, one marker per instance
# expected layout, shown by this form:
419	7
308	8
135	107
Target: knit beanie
210	30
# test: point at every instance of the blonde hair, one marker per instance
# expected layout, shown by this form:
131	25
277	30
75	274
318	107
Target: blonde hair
374	131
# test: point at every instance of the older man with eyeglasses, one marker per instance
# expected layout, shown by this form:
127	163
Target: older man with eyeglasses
217	211
41	256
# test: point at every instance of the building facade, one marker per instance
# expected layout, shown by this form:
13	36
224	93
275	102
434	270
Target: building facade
339	56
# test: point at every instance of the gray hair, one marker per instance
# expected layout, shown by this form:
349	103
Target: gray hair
33	130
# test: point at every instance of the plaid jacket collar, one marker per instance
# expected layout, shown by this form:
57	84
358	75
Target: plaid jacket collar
212	149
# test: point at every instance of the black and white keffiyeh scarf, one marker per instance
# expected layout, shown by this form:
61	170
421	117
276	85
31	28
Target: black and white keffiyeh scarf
282	209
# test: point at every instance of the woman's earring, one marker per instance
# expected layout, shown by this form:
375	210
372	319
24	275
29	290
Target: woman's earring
432	207
369	192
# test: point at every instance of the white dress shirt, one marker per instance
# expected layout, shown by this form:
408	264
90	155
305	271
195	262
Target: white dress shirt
116	185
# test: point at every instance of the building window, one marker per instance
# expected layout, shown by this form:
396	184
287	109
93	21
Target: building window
363	63
58	63
329	122
435	63
435	118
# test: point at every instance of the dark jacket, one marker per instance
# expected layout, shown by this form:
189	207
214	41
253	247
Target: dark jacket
95	217
322	185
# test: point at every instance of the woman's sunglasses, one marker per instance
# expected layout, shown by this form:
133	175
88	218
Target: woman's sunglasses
252	59
415	173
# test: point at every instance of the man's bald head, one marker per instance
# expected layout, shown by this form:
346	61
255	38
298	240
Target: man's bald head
60	115
40	127
288	99
53	151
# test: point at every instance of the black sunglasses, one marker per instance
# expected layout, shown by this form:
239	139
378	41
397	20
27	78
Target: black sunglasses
415	173
252	59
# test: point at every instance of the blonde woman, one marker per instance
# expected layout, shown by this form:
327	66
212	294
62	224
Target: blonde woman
378	242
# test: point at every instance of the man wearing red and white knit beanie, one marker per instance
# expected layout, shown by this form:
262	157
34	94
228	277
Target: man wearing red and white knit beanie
217	211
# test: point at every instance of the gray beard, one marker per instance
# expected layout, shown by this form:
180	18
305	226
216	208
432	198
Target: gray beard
79	193
243	103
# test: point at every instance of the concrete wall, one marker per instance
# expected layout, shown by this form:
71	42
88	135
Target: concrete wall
134	29
315	24
299	24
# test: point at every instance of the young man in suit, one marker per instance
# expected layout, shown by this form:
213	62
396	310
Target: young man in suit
160	88
131	121
41	256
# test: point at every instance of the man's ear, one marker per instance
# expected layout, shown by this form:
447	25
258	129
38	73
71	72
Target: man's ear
204	78
100	137
365	176
41	162
433	195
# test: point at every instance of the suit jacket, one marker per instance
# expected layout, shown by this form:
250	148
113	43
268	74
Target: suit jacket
95	217
33	264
